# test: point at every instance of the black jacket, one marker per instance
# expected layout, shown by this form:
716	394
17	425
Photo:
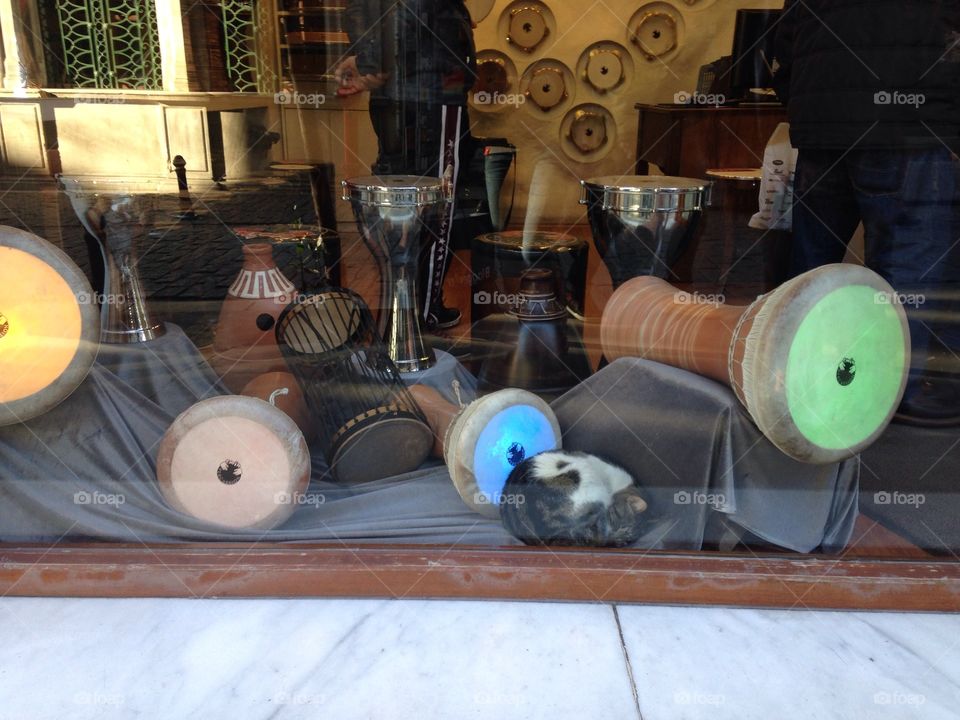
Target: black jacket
425	47
870	73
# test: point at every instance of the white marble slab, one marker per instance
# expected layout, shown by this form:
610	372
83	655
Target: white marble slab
250	659
743	664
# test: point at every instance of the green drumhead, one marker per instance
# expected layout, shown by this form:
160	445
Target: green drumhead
845	367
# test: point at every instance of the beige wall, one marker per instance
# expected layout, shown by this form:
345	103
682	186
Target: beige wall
548	188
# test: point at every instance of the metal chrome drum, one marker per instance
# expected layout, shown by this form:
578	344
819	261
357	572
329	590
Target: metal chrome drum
118	213
397	216
642	224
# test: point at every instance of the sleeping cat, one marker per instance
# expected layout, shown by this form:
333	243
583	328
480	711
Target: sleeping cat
564	497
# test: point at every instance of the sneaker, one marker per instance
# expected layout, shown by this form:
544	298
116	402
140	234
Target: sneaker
441	318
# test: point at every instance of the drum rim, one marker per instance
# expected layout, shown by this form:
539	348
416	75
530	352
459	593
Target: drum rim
347	444
771	409
275	420
563	241
649	184
287	315
459	457
372	190
14	412
693	196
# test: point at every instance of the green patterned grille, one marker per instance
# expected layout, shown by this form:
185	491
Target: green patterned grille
244	25
111	43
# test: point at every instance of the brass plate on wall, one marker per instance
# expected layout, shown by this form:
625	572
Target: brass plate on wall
655	30
527	25
605	66
548	86
588	133
496	86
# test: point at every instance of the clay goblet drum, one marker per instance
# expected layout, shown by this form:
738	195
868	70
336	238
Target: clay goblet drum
234	461
820	363
49	326
482	442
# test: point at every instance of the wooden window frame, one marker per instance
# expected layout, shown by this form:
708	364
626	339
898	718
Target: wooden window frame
207	570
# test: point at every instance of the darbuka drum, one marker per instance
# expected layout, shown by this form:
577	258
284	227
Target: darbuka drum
234	461
398	216
366	421
820	363
642	224
499	259
49	326
484	441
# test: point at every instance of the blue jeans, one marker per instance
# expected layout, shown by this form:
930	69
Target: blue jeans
909	203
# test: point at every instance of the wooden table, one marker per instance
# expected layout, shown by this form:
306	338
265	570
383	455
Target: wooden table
685	140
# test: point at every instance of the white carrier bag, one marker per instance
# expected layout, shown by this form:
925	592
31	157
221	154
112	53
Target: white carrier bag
776	183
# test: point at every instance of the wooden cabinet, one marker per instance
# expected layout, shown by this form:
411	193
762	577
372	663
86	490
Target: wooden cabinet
685	140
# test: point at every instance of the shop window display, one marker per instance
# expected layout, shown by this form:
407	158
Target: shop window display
605	370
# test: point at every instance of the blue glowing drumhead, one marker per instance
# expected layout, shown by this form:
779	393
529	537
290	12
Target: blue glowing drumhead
512	435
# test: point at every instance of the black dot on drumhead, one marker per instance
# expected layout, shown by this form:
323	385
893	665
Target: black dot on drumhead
516	454
846	371
265	321
656	34
229	472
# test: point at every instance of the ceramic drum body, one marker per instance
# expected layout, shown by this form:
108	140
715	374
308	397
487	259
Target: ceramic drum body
398	217
641	225
484	441
233	461
49	326
244	342
820	363
366	422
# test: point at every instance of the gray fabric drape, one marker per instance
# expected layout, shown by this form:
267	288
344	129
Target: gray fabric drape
86	470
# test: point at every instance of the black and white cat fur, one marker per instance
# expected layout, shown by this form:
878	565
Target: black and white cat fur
563	497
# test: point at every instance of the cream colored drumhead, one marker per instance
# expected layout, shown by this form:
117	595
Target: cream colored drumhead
49	326
490	437
825	362
234	461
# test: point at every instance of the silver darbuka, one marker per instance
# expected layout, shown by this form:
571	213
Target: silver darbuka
642	224
398	216
117	213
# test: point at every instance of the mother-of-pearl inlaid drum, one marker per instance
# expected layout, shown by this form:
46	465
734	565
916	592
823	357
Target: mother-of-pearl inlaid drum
820	363
49	326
